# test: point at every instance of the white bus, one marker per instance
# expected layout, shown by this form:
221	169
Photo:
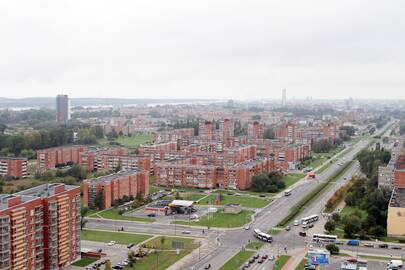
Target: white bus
324	238
262	236
287	192
310	219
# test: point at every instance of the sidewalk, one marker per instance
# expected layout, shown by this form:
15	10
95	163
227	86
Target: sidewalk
295	259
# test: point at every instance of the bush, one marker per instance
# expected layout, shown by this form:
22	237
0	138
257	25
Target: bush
330	226
333	249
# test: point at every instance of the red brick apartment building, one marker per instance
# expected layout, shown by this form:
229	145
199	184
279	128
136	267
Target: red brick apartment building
115	186
288	132
206	130
109	159
14	167
147	149
255	130
40	228
237	176
399	174
49	158
173	135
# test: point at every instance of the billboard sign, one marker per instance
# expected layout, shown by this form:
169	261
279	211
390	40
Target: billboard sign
318	257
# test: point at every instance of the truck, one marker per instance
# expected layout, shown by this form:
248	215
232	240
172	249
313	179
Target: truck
394	264
353	242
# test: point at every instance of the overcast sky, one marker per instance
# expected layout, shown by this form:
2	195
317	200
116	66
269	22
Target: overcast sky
203	49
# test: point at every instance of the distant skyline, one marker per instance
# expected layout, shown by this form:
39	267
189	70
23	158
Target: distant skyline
208	49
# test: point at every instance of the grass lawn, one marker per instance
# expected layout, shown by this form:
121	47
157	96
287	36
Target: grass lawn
281	261
276	230
221	220
347	211
244	201
84	261
254	245
134	140
291	178
91	212
319	158
301	266
113	214
166	256
188	197
119	237
236	261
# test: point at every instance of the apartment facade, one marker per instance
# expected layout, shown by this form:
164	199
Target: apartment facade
49	158
115	187
40	227
14	167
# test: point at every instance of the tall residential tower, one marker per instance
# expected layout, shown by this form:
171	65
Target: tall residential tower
62	109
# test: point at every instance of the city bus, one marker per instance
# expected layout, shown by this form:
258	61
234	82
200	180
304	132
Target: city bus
262	236
287	192
310	219
324	238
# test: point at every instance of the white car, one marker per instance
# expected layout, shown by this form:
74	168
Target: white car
111	243
185	232
247	227
296	222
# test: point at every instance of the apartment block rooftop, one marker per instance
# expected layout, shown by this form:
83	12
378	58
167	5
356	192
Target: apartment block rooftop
112	177
398	198
38	192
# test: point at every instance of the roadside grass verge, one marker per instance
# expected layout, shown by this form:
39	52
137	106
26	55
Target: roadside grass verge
254	245
113	214
84	261
107	236
220	220
301	266
163	254
281	261
236	261
310	197
244	201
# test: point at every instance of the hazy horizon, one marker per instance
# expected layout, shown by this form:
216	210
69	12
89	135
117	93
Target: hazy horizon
203	50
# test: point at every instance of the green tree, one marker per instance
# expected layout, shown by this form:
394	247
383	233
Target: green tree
330	226
83	213
131	258
333	249
162	241
352	225
269	133
99	199
108	265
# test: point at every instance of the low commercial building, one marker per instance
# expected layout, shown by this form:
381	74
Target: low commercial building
396	213
40	228
13	167
115	187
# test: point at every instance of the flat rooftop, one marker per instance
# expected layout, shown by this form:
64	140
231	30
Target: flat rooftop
111	177
398	197
42	191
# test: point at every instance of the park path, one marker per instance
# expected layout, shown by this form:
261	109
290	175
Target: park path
295	260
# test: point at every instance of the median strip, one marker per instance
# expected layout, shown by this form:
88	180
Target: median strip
310	197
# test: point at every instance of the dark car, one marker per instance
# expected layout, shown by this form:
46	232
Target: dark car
396	247
303	234
256	256
383	246
152	215
130	245
100	250
252	260
260	261
264	257
208	266
117	267
310	225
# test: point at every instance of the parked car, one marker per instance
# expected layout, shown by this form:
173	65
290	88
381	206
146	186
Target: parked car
247	227
271	258
130	245
260	261
383	246
396	247
111	243
303	234
264	257
310	226
151	215
208	266
296	222
185	232
288	228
